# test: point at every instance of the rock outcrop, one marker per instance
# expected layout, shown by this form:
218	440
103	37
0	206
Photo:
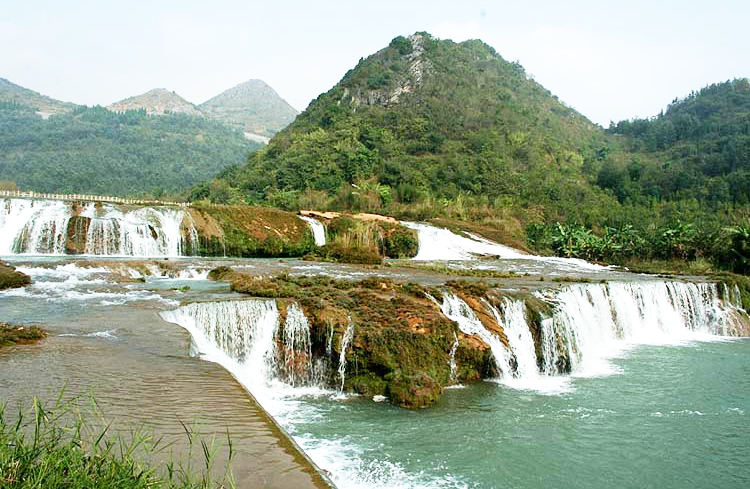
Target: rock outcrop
157	102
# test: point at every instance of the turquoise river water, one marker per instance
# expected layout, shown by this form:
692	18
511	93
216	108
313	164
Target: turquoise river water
670	415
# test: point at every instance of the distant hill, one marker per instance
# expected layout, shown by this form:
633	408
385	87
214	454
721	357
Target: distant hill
93	150
10	93
427	120
698	149
156	102
252	106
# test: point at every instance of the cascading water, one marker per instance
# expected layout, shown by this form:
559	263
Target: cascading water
346	340
318	230
42	227
32	226
246	338
459	311
452	362
442	244
297	348
621	309
512	318
595	322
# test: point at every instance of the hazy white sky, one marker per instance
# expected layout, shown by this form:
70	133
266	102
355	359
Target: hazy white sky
609	60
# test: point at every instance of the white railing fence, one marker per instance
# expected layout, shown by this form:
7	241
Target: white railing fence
87	198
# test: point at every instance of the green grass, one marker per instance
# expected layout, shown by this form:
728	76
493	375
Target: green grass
65	446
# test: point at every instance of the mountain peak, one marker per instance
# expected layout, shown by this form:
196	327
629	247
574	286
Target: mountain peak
157	101
252	106
43	105
425	117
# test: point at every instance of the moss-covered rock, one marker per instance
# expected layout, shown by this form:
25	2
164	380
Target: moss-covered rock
401	340
247	231
76	235
414	391
11	278
12	335
341	253
220	273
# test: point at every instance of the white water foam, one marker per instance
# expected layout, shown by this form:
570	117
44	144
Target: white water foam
62	272
442	244
346	339
109	334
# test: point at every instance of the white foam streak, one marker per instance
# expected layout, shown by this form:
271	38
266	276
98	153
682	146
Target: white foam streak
346	339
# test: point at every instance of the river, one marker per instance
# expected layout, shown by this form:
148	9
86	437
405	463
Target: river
656	397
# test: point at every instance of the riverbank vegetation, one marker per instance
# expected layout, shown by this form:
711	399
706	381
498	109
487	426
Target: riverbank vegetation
360	241
65	446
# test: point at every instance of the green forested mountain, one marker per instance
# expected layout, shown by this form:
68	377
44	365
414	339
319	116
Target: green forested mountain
94	150
698	149
425	121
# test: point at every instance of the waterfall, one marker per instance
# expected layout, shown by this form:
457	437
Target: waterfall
511	316
33	226
346	340
297	361
593	323
590	324
452	361
318	230
246	337
442	244
41	227
458	310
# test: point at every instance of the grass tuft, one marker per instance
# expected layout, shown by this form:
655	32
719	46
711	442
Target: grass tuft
64	446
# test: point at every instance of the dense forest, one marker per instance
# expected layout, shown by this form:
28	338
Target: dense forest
698	149
428	128
93	150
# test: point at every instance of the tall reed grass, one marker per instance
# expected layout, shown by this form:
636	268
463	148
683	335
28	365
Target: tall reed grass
68	446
